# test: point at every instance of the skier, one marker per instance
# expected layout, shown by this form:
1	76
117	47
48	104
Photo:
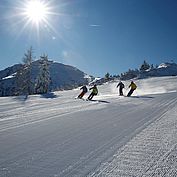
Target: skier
132	87
84	91
93	93
121	86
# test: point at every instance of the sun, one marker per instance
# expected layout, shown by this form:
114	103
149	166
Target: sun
36	11
37	18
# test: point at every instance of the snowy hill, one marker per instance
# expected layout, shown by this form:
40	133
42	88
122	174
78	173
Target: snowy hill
164	69
55	135
62	77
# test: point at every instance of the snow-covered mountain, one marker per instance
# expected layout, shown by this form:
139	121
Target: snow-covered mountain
62	77
164	69
56	135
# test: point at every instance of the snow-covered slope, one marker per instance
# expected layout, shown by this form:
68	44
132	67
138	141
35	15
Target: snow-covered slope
56	135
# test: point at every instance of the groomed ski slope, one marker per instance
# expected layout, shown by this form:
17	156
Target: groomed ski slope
56	135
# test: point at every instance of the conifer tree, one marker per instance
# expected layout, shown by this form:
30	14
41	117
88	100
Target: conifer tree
23	75
144	66
28	59
43	79
107	76
152	66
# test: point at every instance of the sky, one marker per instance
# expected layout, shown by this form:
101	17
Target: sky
96	36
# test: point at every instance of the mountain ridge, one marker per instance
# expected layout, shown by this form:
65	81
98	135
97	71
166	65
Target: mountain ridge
164	69
63	77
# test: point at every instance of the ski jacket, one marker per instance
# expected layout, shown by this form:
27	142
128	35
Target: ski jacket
132	86
121	85
84	88
94	90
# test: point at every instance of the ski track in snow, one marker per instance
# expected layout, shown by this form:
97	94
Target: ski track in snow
111	146
67	137
22	113
150	153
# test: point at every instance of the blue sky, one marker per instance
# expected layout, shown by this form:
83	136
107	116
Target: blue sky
96	36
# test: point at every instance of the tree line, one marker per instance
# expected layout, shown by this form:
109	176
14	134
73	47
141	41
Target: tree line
131	73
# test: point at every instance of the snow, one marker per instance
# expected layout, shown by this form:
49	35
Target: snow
150	153
162	65
9	77
56	135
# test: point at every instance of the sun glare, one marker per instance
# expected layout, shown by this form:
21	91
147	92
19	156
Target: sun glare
37	17
36	11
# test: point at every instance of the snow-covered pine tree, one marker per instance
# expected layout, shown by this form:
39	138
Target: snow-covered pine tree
144	66
28	59
23	75
107	76
152	66
43	79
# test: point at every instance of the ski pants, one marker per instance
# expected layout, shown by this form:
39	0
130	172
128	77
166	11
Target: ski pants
91	96
120	91
81	94
130	92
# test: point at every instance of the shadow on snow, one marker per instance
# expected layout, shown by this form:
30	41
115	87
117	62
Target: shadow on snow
21	98
141	97
48	95
100	101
